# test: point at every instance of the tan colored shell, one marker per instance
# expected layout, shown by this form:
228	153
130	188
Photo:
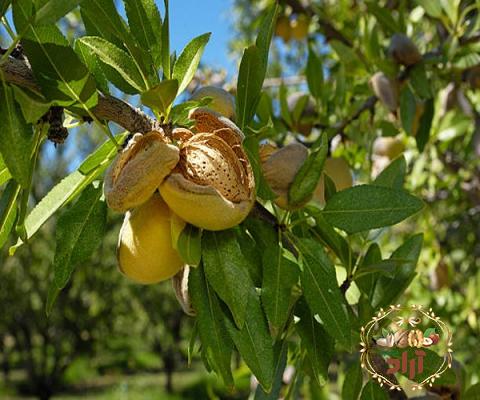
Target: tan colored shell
180	286
401	338
207	120
266	150
386	90
138	170
212	186
280	169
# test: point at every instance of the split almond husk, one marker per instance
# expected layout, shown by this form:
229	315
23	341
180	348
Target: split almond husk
138	170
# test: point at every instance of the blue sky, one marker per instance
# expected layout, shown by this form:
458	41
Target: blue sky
190	18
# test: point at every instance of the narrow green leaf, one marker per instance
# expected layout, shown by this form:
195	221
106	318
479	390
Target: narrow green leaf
8	210
432	8
473	392
166	62
116	58
189	245
367	282
384	18
419	81
187	63
249	86
264	38
94	65
321	290
309	174
352	385
227	271
33	107
408	107
4	6
17	144
4	172
279	277
79	232
216	343
102	19
329	187
330	237
274	394
394	175
52	10
388	289
314	73
160	97
423	133
254	343
372	391
68	188
365	207
57	68
316	341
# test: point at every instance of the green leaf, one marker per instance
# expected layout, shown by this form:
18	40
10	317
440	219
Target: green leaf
365	207
352	385
419	81
4	6
94	65
52	10
17	141
274	394
408	108
307	177
372	391
314	73
249	86
102	19
279	277
146	26
69	187
57	68
423	133
367	282
321	290
79	231
473	393
211	326
394	175
347	56
166	64
187	63
189	245
384	18
316	341
227	271
33	107
4	172
330	237
388	289
160	97
432	8
8	210
116	58
254	343
264	38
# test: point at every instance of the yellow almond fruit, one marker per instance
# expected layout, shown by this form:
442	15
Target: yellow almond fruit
138	170
221	101
280	169
339	171
212	186
299	27
145	252
390	147
283	28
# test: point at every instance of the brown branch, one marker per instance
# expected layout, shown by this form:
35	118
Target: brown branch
109	108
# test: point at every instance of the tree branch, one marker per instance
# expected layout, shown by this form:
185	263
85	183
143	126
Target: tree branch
109	108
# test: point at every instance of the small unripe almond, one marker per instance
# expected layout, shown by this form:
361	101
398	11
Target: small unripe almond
339	171
280	169
222	101
299	27
386	90
390	147
403	50
283	28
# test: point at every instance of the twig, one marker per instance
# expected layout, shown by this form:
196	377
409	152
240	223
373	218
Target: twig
109	108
